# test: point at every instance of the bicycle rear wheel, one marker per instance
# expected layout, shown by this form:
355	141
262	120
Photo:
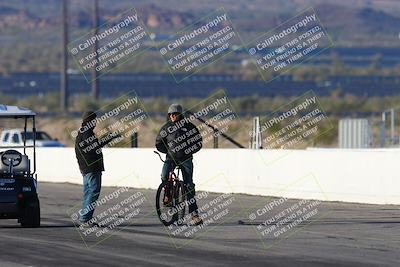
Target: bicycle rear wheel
180	203
166	213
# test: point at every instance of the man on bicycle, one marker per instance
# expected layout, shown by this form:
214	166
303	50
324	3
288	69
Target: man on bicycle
180	139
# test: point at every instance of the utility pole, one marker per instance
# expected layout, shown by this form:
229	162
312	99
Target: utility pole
95	24
64	60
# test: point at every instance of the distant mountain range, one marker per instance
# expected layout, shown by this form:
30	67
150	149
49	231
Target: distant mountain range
154	16
350	22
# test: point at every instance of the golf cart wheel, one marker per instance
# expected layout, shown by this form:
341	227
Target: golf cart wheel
31	215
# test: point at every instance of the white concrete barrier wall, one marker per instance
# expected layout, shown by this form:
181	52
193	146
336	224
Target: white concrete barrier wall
364	176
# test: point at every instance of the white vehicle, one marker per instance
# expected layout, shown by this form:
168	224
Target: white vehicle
14	137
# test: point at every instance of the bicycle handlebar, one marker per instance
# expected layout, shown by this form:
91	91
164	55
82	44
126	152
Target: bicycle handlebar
156	152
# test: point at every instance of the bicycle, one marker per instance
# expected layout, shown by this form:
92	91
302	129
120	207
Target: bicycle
175	190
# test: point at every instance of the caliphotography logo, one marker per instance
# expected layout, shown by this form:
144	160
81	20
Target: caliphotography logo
297	205
293	126
117	208
111	45
290	44
200	44
114	125
214	119
214	209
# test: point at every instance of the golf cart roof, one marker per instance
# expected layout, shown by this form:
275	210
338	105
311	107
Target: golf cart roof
15	112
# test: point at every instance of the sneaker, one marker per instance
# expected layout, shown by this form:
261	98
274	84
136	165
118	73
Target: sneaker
196	220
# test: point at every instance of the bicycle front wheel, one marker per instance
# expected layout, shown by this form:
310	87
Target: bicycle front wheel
166	210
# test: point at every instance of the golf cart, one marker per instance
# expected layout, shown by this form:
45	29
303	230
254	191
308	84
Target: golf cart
18	183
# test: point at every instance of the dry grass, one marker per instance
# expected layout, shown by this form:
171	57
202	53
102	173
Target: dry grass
60	128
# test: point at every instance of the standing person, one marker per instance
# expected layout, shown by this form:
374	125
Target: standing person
90	160
180	153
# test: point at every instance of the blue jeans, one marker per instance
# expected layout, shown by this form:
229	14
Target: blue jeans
187	173
91	192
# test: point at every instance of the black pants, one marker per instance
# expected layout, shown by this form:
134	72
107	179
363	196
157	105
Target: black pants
187	172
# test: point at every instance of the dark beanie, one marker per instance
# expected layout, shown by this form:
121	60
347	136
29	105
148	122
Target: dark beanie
88	116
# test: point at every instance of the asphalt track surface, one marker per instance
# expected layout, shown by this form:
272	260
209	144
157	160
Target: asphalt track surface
346	235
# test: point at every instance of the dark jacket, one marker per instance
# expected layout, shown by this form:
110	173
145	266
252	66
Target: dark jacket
88	151
179	140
